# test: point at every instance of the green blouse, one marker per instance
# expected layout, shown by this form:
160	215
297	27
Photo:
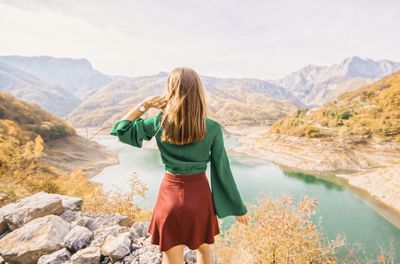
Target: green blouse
190	158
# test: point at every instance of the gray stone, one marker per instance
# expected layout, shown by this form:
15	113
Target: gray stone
101	221
57	257
70	202
147	254
78	238
101	234
15	215
94	221
116	247
190	256
134	246
89	255
140	229
38	237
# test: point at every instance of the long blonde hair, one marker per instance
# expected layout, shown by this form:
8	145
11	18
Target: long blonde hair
184	117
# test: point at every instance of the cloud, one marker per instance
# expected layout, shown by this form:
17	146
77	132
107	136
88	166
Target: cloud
264	39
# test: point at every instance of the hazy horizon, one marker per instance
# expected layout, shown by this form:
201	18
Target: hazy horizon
257	39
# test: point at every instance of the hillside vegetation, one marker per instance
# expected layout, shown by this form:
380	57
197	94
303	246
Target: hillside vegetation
372	111
26	121
24	129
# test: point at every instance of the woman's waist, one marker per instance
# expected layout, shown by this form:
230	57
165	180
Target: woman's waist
185	170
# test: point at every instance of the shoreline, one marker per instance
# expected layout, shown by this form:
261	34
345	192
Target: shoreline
371	172
78	153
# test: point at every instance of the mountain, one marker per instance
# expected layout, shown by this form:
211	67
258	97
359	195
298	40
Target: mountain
315	85
31	89
372	111
76	76
231	101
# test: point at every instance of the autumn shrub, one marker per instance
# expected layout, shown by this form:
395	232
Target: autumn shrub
283	231
279	231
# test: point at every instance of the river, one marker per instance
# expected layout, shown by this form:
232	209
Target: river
340	209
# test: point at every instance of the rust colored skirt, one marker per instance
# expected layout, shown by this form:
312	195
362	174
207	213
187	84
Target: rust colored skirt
183	212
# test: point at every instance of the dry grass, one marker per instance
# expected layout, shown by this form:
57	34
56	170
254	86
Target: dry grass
279	231
282	231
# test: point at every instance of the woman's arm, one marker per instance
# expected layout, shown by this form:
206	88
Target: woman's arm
132	129
152	101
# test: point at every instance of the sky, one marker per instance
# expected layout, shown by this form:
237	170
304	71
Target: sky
262	39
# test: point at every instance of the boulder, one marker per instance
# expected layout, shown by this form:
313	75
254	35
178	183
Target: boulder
101	221
78	238
101	234
94	221
89	255
140	229
38	237
58	257
15	215
116	247
70	202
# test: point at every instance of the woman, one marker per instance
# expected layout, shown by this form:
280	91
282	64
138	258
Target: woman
185	212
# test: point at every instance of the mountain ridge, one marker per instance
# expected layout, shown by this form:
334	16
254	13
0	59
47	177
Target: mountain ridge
318	84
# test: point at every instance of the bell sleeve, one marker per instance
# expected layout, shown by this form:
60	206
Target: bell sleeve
226	197
135	131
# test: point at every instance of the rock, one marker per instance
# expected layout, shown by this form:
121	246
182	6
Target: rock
78	238
2	260
70	202
147	254
190	256
128	259
89	255
24	210
140	229
101	221
4	233
38	237
101	234
116	247
94	221
134	247
58	257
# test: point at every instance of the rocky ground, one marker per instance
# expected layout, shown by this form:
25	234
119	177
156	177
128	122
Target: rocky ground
49	228
371	166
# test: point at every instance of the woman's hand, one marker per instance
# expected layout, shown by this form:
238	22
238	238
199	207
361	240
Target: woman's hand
243	219
155	101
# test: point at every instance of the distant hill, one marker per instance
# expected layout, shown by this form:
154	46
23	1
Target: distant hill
25	121
31	89
76	76
231	101
315	85
370	111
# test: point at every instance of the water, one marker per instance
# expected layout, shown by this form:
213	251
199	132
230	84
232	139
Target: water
342	210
